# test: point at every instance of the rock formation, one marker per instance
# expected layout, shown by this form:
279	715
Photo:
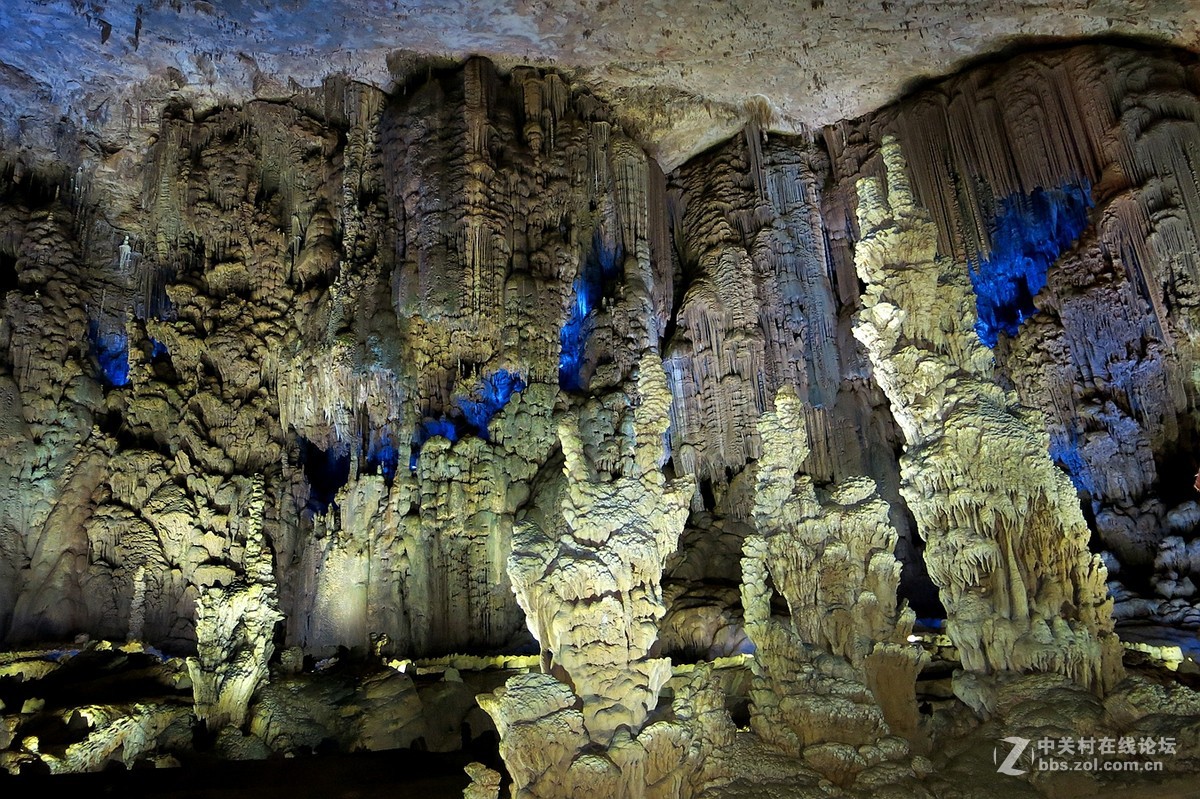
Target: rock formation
591	593
485	782
1007	543
677	75
835	681
235	630
123	735
358	394
372	319
757	310
591	590
1056	178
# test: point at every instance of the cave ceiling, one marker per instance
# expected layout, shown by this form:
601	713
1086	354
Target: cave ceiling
681	76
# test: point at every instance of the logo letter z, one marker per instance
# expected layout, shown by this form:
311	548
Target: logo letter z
1018	749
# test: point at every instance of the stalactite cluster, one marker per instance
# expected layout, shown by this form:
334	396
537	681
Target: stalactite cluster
1088	149
363	419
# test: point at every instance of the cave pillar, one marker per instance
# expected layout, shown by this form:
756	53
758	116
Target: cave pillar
235	631
835	682
1007	542
591	591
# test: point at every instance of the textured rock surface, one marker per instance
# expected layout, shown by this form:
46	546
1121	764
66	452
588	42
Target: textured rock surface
92	706
235	630
353	338
380	710
317	291
835	680
1074	157
337	353
592	595
122	735
485	783
685	74
1007	541
546	747
591	589
757	310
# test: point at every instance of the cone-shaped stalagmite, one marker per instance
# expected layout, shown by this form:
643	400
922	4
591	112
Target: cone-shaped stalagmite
837	680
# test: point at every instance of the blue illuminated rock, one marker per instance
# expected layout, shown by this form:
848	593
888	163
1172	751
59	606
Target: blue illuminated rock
1028	235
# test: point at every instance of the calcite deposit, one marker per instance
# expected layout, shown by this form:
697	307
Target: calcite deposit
834	682
1087	180
590	589
642	422
1007	542
235	629
685	76
590	585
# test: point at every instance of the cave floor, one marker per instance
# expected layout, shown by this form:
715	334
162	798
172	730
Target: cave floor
366	775
1177	788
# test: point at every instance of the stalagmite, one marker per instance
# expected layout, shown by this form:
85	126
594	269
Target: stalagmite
1007	544
235	630
836	679
308	387
1057	177
591	593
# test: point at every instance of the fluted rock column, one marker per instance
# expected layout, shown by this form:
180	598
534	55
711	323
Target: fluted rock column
837	683
235	631
592	596
591	592
1007	542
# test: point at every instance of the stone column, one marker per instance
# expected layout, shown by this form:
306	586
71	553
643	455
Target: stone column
834	684
1007	542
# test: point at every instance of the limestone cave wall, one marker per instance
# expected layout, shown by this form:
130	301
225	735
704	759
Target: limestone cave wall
373	305
1064	184
362	316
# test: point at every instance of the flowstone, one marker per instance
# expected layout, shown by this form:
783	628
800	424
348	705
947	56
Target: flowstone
1007	542
834	683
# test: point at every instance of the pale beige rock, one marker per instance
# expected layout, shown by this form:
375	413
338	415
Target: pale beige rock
341	261
485	782
1109	356
839	673
235	631
1007	544
121	734
591	590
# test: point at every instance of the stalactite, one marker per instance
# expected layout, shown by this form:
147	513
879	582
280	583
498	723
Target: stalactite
1109	357
758	310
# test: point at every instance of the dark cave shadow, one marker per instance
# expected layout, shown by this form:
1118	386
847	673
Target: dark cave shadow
1012	47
